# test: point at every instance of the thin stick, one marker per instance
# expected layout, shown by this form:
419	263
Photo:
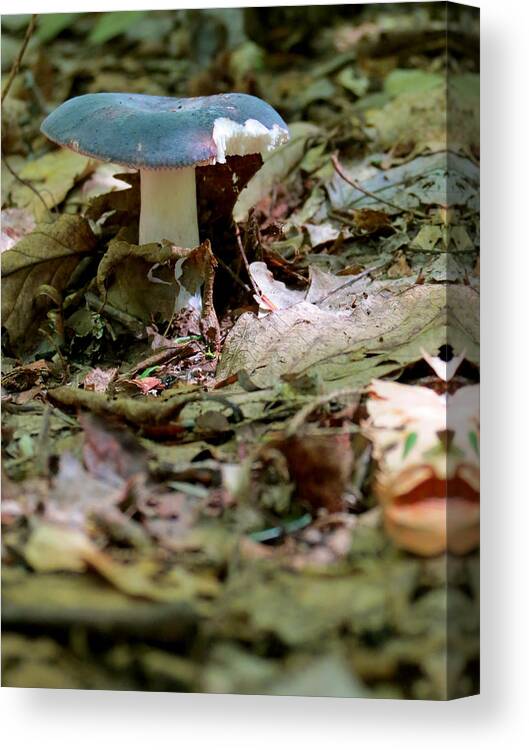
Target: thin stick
55	345
352	280
43	443
28	185
235	183
161	357
265	301
103	308
339	169
234	276
18	60
170	323
302	415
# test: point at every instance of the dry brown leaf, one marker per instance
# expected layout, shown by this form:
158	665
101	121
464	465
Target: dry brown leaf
47	256
321	466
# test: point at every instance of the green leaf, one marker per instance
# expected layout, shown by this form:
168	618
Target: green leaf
328	675
430	237
15	22
149	371
50	25
474	442
410	441
110	25
465	85
351	80
402	81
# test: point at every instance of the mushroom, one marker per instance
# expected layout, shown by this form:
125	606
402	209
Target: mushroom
166	139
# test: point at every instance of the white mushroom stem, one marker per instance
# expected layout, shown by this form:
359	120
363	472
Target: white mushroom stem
169	206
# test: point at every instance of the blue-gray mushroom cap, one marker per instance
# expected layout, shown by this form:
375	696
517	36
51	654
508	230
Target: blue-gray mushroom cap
159	132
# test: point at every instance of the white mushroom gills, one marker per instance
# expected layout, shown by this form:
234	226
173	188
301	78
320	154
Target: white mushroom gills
168	196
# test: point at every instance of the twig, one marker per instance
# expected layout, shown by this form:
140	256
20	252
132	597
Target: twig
43	443
264	300
28	185
12	75
235	183
18	60
131	323
234	276
339	169
302	415
64	364
170	323
245	259
351	281
161	357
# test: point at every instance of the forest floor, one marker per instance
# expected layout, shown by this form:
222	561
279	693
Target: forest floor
251	503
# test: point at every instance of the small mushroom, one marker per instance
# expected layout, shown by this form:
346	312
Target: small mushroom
166	139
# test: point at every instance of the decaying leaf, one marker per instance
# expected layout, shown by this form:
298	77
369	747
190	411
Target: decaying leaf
75	494
27	375
49	255
110	453
157	282
52	548
274	294
134	411
307	338
321	466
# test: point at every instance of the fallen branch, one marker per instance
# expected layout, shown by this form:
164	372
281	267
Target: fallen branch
18	59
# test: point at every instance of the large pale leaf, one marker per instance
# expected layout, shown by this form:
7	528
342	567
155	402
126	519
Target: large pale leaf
387	327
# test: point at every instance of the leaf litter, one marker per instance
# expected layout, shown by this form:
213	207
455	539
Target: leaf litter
231	501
